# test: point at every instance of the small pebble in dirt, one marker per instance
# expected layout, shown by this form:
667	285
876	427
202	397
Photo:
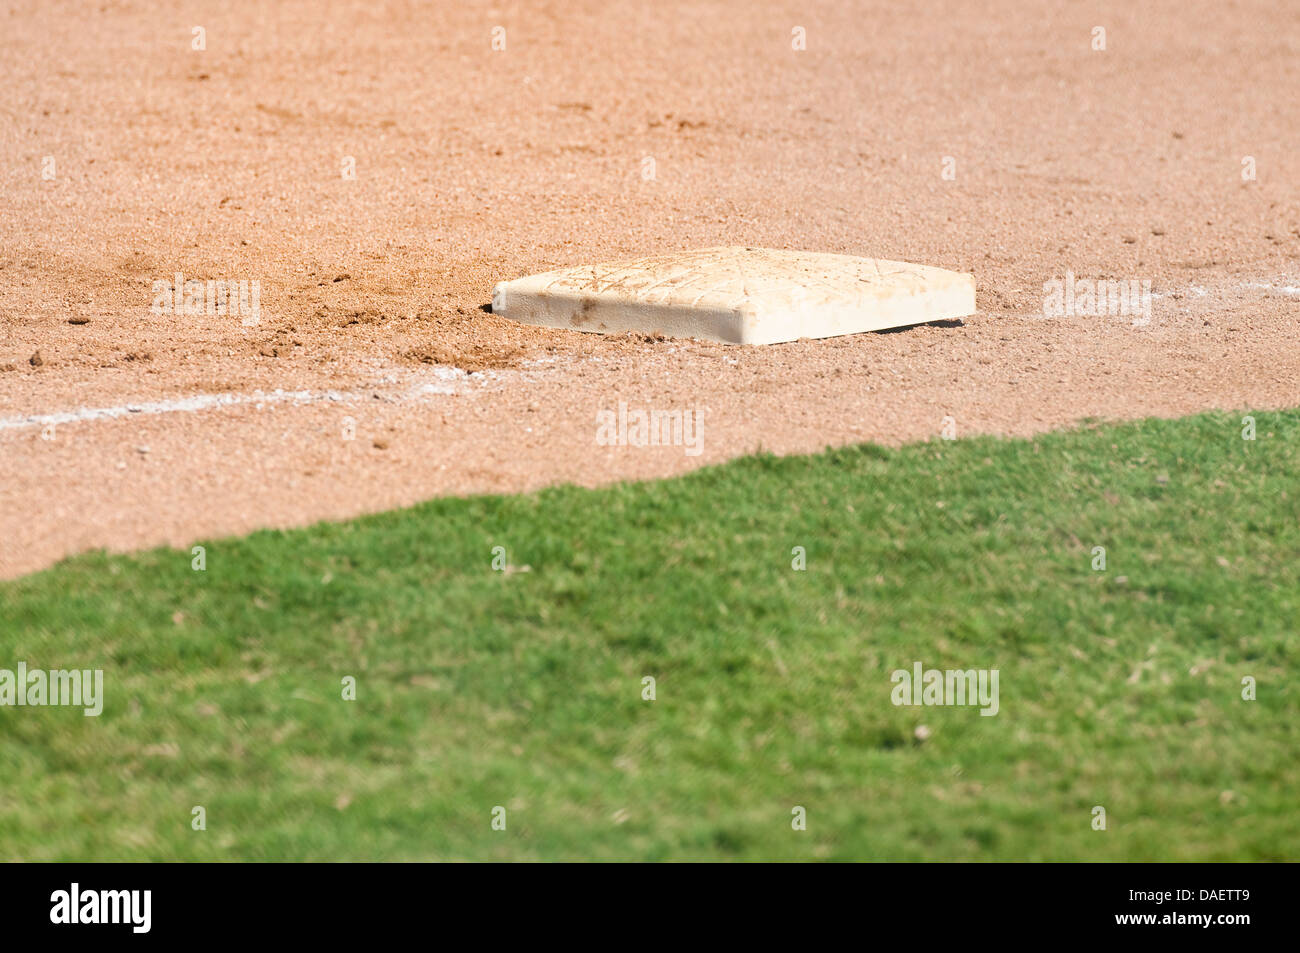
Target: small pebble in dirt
78	320
343	277
381	444
36	360
142	450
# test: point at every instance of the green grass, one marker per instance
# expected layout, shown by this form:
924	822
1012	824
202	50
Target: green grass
478	688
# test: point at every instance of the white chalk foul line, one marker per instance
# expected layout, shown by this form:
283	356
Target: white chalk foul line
446	380
197	402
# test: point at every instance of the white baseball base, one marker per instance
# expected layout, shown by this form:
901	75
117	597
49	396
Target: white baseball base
739	296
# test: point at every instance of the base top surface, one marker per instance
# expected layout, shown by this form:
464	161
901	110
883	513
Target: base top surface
737	294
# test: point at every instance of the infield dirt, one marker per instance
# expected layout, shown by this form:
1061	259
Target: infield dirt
989	138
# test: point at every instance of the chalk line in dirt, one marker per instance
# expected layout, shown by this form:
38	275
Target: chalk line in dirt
447	380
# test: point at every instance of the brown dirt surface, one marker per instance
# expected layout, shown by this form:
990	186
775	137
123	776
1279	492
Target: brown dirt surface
129	156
